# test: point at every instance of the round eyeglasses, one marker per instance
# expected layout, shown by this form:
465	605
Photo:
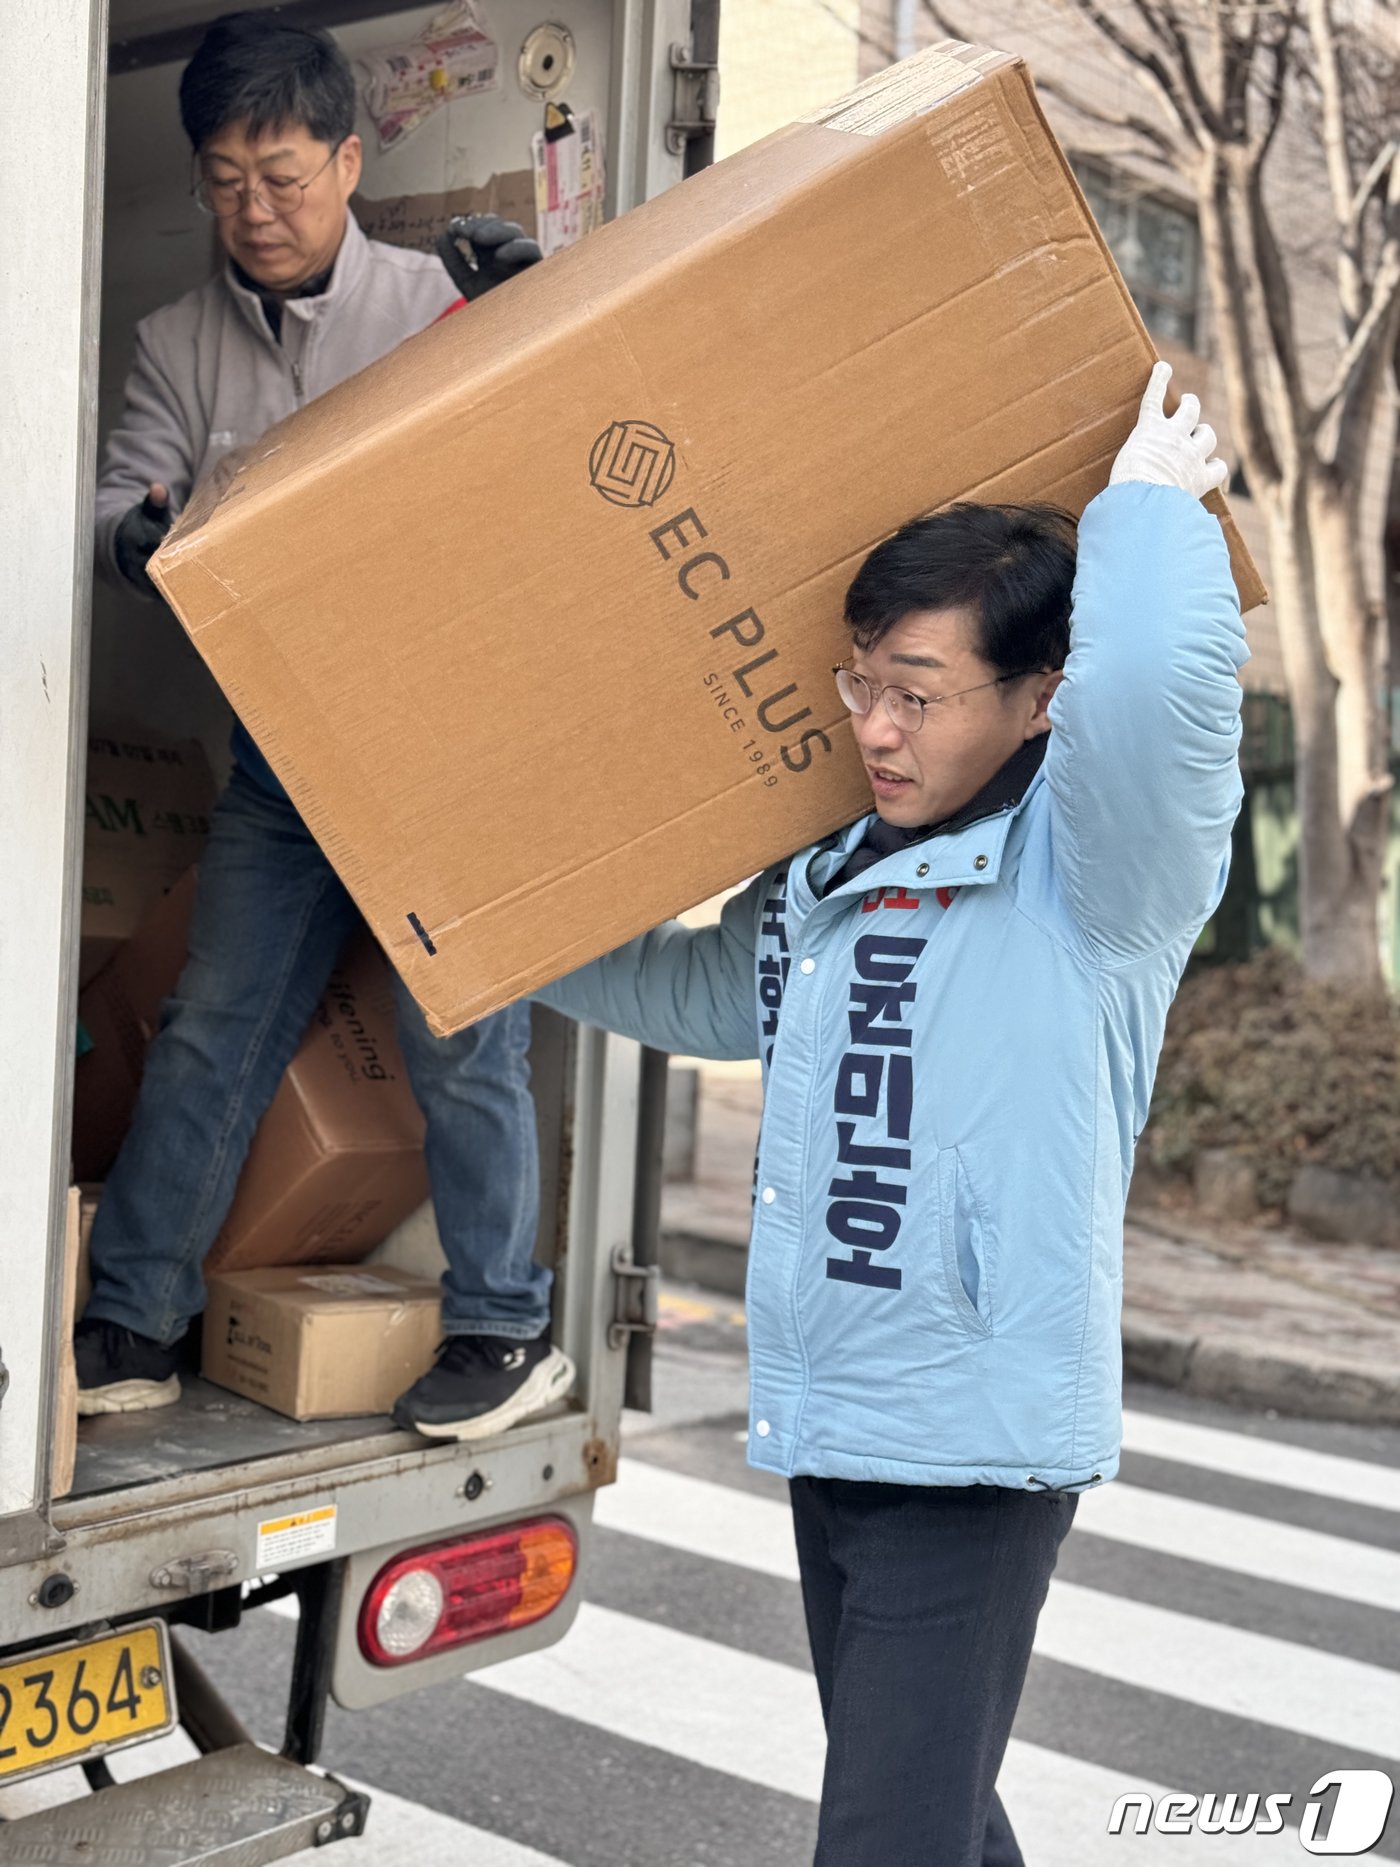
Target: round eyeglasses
224	197
906	710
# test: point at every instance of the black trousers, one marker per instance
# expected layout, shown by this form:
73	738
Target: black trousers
921	1606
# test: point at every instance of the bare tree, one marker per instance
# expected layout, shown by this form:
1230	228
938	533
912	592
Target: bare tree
1220	77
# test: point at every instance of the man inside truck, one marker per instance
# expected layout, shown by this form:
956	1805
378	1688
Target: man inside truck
959	1003
302	301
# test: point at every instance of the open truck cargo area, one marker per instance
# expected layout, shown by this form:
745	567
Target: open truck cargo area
213	1508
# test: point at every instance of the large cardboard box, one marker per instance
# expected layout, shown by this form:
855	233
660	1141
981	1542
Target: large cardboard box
321	1344
337	1160
536	617
147	815
120	1011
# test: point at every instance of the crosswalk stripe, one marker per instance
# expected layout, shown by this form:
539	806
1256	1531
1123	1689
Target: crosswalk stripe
1229	1669
698	1515
692	1697
1232	1539
406	1831
1269	1461
760	1720
1059	1808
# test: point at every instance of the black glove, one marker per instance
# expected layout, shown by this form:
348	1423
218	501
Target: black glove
496	250
136	538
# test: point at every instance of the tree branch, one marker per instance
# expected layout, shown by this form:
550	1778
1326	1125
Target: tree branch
1251	38
1230	297
1276	94
1148	65
1370	184
1128	121
1203	105
1237	55
1329	79
1365	358
1277	296
1151	17
1350	283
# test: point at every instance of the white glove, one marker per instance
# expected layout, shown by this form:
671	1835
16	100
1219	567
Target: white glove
1170	450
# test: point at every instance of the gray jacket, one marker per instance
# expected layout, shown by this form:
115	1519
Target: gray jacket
208	375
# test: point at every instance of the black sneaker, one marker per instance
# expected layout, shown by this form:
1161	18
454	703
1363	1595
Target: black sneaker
120	1371
482	1384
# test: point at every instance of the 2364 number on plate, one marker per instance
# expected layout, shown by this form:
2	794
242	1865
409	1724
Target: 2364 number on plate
78	1701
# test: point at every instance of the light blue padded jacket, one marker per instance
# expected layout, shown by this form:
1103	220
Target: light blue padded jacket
958	1052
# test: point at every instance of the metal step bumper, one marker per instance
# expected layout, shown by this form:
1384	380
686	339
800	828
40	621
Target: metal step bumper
234	1808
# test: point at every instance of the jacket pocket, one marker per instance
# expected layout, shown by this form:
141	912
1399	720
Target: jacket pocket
963	1238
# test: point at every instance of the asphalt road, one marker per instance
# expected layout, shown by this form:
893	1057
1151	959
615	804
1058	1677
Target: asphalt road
1226	1617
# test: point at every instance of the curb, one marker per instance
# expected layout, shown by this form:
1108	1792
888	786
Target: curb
718	1264
1226	1368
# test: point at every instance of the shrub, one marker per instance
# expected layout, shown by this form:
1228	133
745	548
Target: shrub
1282	1069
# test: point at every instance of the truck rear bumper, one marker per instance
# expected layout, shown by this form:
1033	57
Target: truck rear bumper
242	1805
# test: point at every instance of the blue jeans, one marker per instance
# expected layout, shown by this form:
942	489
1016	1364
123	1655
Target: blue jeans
271	918
921	1605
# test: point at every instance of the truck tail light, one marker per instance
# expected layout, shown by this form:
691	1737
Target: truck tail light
447	1594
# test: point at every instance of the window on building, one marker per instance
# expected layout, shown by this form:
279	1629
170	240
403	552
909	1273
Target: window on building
1156	244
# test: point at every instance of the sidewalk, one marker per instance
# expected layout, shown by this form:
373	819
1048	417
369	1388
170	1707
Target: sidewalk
1259	1316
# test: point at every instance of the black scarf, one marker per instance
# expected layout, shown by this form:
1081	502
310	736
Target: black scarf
1001	792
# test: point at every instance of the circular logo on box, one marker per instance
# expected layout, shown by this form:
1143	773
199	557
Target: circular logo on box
632	463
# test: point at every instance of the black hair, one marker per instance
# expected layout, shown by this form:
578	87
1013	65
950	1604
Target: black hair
1012	567
257	69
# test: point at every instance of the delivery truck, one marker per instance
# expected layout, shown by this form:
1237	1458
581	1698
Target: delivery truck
200	1514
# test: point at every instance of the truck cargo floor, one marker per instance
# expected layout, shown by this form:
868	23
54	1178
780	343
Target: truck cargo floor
207	1427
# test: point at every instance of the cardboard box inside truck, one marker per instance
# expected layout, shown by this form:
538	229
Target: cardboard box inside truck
147	815
337	1160
321	1344
536	617
120	1010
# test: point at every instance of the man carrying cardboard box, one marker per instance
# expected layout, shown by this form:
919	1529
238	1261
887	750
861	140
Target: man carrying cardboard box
303	302
959	1003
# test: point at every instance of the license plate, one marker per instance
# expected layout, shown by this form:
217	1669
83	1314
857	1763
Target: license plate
81	1701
